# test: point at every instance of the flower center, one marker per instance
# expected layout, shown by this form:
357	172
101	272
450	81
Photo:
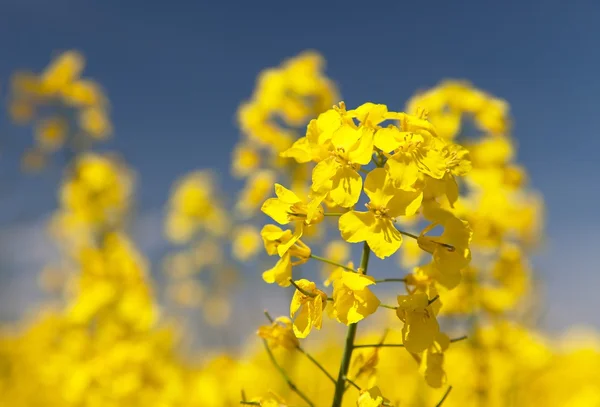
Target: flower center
378	211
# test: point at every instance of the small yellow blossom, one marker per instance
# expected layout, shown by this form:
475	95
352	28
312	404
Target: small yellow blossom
287	207
420	324
450	251
370	398
376	226
273	238
308	307
279	334
352	298
246	242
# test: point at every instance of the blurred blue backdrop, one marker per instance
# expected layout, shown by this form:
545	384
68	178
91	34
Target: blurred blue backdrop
176	71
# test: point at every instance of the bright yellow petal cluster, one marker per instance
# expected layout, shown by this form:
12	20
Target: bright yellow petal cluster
420	323
279	334
307	308
352	298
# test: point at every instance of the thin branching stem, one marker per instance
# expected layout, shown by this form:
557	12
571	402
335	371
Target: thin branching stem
316	363
399	345
434	299
391	280
285	376
305	353
444	397
333	263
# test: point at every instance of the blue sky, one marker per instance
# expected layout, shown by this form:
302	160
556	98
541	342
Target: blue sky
176	71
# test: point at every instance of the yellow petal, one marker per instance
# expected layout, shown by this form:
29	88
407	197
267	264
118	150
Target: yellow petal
286	195
362	151
403	170
387	139
375	187
404	203
356	226
277	210
346	187
385	239
280	273
322	174
300	151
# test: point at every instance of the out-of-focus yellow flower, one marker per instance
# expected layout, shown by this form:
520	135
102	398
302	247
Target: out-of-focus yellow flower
94	121
245	160
65	69
279	334
450	251
51	133
433	360
273	238
352	298
217	310
193	206
370	398
376	226
255	191
420	324
246	242
308	307
83	92
97	189
186	293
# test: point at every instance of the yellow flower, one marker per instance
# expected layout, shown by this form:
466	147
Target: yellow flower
350	147
450	161
51	133
352	299
450	251
83	92
308	307
245	160
255	191
370	398
246	242
433	361
273	237
287	207
420	324
66	68
279	334
376	226
94	120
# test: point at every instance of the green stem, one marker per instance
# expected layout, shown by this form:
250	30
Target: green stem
316	363
444	397
388	306
305	353
434	299
333	263
285	376
347	355
400	345
391	280
249	403
333	213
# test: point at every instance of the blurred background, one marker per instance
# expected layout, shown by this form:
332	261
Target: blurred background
175	73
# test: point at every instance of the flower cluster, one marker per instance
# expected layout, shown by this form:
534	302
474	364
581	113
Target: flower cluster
436	186
65	108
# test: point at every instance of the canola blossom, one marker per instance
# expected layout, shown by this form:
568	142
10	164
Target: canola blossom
387	224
